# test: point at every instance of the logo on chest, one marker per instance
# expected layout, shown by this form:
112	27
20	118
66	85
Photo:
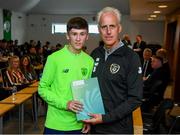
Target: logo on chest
114	68
84	71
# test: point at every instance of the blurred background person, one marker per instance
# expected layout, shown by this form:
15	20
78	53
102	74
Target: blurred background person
146	62
126	40
14	73
28	69
163	54
139	45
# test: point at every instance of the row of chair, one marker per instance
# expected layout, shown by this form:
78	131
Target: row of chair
153	122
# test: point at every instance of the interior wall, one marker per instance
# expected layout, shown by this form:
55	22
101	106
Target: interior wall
18	26
39	28
174	52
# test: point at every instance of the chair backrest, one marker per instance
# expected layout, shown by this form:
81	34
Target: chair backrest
159	115
175	126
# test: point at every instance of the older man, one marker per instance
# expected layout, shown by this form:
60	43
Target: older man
119	74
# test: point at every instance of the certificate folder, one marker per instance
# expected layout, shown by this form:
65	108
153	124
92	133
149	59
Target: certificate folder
88	93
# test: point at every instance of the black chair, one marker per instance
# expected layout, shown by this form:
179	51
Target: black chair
152	122
152	97
174	127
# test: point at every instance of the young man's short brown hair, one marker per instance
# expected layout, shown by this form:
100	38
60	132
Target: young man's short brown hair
77	23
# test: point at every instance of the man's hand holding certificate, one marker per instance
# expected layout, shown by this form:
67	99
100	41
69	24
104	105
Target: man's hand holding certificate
88	93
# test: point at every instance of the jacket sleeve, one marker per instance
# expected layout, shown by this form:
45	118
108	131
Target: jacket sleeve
134	92
45	90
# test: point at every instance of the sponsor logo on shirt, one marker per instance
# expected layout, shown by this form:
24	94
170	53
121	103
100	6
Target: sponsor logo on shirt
114	68
65	70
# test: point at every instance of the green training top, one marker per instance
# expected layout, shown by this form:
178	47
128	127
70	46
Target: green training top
63	67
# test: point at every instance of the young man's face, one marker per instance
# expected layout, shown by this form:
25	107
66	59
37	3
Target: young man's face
109	29
77	38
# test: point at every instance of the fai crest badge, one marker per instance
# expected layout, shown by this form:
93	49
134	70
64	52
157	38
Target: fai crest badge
84	71
114	68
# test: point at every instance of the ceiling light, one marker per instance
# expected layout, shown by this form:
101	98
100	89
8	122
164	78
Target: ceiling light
150	19
157	12
154	16
162	6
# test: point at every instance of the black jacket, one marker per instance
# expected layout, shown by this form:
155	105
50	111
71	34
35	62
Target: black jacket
159	74
148	69
120	82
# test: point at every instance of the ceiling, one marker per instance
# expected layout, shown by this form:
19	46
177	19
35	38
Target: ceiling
137	9
142	10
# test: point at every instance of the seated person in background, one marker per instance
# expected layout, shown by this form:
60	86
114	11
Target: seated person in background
27	69
146	62
158	75
126	40
139	45
33	56
14	74
4	91
163	54
158	72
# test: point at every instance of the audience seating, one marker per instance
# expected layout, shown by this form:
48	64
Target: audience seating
151	122
152	97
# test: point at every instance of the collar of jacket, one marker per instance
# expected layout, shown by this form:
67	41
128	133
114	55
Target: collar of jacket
120	51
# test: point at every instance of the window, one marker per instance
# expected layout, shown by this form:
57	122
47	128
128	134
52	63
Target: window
61	28
58	28
93	28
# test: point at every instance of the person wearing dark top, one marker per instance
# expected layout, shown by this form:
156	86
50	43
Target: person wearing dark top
139	45
126	40
154	95
28	69
146	62
163	54
119	74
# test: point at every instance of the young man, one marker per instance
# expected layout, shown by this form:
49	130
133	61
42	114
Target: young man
119	71
63	67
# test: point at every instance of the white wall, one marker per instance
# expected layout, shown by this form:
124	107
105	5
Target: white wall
18	26
39	28
151	31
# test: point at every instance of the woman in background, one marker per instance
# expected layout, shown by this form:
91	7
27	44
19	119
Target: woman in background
14	73
27	69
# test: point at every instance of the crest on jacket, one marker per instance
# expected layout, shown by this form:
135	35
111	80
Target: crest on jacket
114	68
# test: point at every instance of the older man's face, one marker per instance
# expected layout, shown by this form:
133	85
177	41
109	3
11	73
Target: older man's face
109	29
